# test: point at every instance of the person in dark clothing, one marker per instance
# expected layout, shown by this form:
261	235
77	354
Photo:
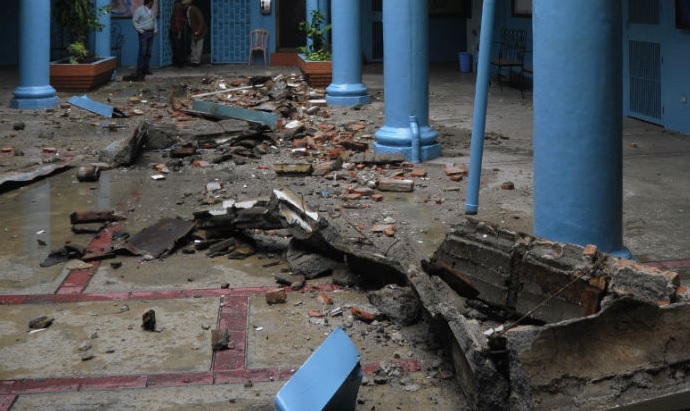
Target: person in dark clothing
179	37
145	23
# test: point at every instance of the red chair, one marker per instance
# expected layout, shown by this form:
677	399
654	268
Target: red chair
258	41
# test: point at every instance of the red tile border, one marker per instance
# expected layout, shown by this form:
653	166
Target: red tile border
180	379
257	375
69	291
226	360
7	387
154	295
116	296
52	298
6	402
46	385
213	292
12	299
78	278
104	383
675	264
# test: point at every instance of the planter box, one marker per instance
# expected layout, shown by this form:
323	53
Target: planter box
81	77
317	73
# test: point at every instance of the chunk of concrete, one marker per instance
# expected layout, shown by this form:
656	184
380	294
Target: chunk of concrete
125	152
631	351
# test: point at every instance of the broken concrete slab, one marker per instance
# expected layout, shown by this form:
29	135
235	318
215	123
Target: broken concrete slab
400	304
633	351
124	152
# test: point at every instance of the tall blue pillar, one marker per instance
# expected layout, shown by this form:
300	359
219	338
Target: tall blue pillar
347	88
102	43
406	81
578	123
34	90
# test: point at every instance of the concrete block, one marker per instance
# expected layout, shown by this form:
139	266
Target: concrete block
559	273
650	284
629	352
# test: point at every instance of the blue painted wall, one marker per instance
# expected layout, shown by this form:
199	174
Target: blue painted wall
447	37
9	31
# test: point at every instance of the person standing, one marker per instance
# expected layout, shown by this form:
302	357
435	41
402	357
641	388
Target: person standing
144	21
198	30
179	37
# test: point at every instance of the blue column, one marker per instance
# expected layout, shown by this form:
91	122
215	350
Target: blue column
578	123
481	95
102	43
406	80
34	90
347	88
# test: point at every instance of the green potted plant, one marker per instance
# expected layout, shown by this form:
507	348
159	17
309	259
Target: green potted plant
315	60
80	71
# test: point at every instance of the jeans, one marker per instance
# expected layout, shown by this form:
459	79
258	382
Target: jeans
144	56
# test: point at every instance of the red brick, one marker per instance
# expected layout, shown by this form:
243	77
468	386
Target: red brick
256	375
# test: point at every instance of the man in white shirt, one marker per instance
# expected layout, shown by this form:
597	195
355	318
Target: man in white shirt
144	21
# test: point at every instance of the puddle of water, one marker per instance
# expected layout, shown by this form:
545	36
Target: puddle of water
35	221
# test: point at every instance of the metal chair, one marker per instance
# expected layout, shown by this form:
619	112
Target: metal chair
117	40
511	44
258	41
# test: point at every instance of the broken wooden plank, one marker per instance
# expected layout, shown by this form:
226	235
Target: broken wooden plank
254	116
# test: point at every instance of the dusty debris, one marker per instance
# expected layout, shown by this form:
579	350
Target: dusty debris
400	304
95	216
41	322
277	296
160	238
220	339
88	173
148	320
68	252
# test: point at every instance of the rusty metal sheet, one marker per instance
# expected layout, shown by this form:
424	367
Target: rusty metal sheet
160	238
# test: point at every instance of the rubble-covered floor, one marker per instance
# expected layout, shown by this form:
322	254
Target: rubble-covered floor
101	301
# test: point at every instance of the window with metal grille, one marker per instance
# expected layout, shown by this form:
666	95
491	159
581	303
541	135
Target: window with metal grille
644	11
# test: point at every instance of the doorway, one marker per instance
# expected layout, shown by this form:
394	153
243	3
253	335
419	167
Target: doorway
290	14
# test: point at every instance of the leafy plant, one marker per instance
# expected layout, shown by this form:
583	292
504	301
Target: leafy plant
77	52
79	18
318	49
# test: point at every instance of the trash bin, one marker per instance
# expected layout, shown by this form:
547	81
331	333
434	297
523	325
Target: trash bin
465	62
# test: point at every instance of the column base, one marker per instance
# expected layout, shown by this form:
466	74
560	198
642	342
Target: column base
347	94
34	103
426	153
34	97
399	140
348	101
